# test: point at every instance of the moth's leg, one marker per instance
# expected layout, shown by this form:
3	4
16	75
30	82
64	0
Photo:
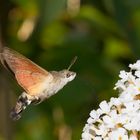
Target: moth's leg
23	101
32	99
36	100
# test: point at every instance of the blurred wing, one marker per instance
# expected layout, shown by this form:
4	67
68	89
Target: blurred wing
29	75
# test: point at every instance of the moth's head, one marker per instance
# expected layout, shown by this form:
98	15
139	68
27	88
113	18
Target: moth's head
66	74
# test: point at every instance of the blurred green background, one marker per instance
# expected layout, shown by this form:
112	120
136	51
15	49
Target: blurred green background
104	34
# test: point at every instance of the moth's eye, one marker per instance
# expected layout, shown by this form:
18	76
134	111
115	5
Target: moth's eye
68	75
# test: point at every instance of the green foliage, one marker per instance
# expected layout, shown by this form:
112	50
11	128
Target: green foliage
105	37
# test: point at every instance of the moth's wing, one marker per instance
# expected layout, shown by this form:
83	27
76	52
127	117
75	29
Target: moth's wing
33	82
29	75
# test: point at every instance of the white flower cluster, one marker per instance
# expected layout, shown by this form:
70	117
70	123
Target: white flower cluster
118	119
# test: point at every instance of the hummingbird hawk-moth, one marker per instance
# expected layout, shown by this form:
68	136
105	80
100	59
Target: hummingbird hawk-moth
38	83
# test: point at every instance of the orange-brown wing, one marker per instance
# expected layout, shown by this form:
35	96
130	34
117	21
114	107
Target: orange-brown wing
32	82
28	74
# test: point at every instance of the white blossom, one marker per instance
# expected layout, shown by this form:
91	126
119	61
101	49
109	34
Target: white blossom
135	66
118	119
104	107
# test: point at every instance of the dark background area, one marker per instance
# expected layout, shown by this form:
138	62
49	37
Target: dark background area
104	34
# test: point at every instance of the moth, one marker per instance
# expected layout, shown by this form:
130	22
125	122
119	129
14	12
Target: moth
38	83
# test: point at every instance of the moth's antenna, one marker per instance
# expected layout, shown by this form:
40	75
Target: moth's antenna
72	62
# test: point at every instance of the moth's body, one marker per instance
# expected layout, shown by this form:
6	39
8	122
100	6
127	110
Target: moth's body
59	80
51	85
38	83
